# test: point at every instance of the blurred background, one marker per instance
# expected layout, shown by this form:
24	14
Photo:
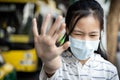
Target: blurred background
18	59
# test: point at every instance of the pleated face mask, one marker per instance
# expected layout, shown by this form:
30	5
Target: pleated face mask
83	49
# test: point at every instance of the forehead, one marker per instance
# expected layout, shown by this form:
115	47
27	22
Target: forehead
89	23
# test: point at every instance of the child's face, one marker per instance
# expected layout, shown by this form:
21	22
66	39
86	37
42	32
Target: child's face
87	28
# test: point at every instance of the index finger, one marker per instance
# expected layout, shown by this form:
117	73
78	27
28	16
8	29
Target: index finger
45	24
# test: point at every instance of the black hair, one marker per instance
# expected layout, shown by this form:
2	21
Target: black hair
84	8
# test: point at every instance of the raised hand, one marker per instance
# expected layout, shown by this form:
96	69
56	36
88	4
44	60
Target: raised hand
45	42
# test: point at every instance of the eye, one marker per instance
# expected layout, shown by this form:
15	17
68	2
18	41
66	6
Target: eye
93	35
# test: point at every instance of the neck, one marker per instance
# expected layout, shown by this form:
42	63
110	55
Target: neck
83	61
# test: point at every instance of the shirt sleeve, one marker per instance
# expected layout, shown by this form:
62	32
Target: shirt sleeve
43	75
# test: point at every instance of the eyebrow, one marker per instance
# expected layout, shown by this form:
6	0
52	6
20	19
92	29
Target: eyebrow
95	32
78	31
83	32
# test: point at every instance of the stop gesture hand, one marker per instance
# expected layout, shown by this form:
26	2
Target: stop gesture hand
45	41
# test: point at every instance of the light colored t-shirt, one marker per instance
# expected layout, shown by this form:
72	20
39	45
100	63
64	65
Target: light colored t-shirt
96	68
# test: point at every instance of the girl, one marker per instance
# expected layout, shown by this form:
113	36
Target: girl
81	56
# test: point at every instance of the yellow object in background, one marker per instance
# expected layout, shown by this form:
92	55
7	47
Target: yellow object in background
16	41
22	60
2	74
7	68
18	1
19	38
7	72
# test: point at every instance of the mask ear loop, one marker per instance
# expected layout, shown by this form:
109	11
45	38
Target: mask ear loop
100	38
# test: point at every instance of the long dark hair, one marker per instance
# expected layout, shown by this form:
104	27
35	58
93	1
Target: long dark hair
84	8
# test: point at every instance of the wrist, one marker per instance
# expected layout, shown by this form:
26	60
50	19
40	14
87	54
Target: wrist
51	66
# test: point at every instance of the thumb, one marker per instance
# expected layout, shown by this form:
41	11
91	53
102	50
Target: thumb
65	46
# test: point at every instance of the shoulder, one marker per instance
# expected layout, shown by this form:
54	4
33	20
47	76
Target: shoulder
103	61
105	65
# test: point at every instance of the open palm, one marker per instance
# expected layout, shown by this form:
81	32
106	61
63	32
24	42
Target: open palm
45	42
